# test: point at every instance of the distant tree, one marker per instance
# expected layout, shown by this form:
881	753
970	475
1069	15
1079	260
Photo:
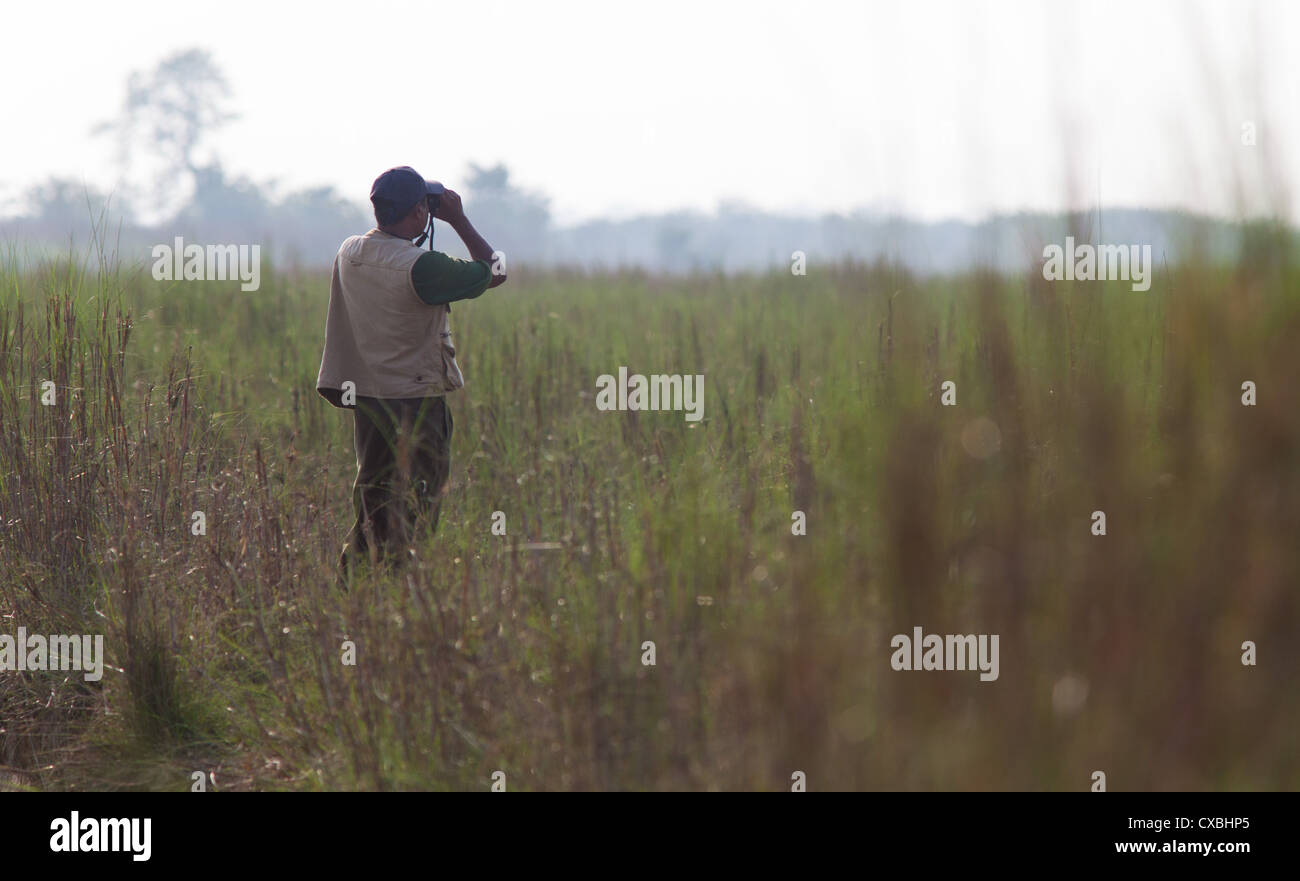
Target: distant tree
61	207
489	181
172	111
312	223
673	243
224	209
516	221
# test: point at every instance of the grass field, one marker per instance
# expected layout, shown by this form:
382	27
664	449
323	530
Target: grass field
1120	653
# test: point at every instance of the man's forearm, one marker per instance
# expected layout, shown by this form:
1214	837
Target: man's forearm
478	247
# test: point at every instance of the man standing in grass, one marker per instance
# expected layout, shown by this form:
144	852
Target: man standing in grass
389	357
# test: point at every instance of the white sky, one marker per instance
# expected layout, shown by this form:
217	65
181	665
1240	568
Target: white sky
934	109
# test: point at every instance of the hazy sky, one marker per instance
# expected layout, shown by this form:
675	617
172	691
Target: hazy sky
934	109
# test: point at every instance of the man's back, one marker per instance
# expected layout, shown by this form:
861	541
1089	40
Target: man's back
381	334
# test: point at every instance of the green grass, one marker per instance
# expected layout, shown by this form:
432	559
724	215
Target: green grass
821	395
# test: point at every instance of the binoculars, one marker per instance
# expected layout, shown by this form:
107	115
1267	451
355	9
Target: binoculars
431	199
436	190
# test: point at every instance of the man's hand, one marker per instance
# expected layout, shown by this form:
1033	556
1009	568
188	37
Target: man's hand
449	208
451	212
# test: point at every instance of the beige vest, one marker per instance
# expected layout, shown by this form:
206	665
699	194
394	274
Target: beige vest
379	334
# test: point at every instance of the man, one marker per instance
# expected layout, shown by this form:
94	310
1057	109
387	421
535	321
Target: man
389	355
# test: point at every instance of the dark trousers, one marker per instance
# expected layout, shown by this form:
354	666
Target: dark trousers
403	462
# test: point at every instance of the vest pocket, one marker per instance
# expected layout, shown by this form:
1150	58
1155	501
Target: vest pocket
450	369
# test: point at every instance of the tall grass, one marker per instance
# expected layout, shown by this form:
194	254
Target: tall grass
1118	653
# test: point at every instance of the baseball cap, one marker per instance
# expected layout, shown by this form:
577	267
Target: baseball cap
403	187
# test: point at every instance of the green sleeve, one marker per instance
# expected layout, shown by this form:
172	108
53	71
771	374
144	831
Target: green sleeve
440	279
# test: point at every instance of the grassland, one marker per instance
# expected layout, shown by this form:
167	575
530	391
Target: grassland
1119	653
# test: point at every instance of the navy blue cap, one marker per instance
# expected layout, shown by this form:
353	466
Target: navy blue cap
403	186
